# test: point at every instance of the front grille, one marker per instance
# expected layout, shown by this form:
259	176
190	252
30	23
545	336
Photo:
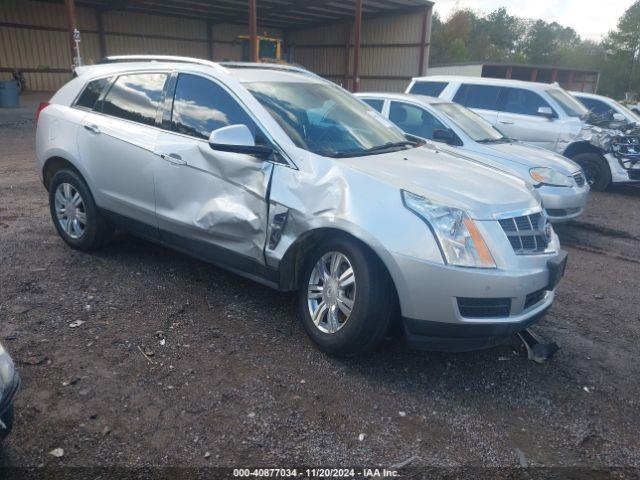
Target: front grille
526	233
484	307
579	178
534	298
634	174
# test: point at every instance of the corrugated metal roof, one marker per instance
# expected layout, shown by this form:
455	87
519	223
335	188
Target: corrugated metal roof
272	13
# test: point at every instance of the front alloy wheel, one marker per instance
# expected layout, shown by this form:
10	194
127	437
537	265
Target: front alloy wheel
331	292
70	210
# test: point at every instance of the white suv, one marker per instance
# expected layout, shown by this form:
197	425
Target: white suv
547	116
285	178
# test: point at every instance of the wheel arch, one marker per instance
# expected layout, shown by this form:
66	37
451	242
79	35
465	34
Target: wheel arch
293	261
54	164
583	146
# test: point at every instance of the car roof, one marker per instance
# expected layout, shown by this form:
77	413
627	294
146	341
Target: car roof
502	82
404	96
241	71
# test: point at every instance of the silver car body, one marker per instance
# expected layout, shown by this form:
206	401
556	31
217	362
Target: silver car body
562	203
566	133
254	217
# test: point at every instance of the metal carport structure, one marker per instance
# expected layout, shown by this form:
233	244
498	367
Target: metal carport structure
294	20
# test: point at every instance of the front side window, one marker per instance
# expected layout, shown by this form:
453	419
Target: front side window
571	106
374	103
325	120
484	97
201	106
415	120
135	97
596	106
472	124
92	92
522	102
431	89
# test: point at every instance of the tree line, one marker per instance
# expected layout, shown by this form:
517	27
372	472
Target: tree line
468	36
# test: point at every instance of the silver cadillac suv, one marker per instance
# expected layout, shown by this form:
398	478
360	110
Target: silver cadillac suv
285	178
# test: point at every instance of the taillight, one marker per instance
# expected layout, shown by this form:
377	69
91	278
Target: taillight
41	107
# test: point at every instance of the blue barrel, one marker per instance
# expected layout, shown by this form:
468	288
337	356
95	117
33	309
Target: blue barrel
9	94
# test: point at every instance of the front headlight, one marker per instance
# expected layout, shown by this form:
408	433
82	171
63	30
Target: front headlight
458	236
548	176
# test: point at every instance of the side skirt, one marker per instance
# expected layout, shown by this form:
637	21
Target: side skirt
221	257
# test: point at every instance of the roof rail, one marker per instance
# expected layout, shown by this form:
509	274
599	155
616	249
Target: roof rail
269	66
157	58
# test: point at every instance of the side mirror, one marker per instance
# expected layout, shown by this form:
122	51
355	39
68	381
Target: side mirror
619	117
237	139
444	136
546	112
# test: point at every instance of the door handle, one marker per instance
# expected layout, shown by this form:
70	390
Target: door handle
173	158
506	122
92	128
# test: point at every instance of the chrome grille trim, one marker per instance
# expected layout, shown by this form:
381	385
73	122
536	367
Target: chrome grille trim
579	178
526	233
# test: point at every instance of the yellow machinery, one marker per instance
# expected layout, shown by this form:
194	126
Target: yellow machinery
269	49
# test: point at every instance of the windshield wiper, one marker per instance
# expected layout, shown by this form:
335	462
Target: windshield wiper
377	149
494	140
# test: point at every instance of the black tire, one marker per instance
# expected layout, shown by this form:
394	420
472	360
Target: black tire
596	169
7	419
371	316
97	231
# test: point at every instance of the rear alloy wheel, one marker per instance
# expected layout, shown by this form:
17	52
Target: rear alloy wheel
345	298
75	214
71	212
596	170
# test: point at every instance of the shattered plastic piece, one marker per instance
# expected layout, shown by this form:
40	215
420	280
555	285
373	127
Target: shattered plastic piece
400	465
57	452
76	323
522	459
361	437
537	349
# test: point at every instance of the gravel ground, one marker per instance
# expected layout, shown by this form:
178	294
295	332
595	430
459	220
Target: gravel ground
237	383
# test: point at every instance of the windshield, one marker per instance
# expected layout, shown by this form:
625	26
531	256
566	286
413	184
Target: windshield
571	106
631	115
470	123
324	119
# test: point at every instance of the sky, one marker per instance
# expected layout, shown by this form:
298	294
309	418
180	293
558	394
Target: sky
592	20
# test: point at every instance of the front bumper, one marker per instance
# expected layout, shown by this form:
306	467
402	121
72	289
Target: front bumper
563	203
619	174
442	306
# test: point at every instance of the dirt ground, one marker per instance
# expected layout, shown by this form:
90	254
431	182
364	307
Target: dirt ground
237	382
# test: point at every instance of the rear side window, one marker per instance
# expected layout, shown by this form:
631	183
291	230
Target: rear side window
92	92
523	102
484	97
431	89
201	106
374	103
135	97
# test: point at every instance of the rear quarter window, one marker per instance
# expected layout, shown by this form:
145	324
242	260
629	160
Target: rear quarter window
430	89
91	93
374	103
484	97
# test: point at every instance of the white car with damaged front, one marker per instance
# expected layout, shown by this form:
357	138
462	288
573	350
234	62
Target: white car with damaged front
285	178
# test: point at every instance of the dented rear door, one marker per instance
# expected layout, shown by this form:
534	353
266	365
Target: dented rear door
210	203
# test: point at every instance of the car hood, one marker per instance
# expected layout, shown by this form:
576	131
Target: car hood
450	179
524	154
